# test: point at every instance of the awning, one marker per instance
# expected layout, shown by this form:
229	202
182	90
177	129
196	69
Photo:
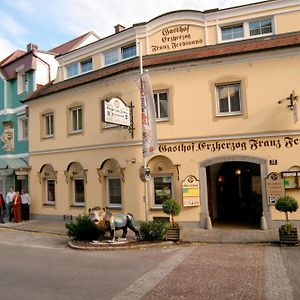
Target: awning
13	163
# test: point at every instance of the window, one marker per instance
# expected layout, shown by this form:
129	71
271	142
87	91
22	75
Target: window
23	85
247	29
232	32
50	190
86	65
229	99
72	70
118	54
78	191
163	188
23	128
76	119
49	124
260	27
128	51
161	105
111	57
114	191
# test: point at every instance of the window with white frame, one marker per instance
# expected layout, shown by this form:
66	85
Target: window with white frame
128	51
78	68
232	32
111	57
114	195
116	55
229	100
163	188
161	101
50	191
72	70
23	128
49	124
260	27
23	85
78	191
86	65
247	29
76	119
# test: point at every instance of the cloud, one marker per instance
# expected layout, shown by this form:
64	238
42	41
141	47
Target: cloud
6	48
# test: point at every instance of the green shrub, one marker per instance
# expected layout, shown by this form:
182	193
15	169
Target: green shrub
83	230
286	204
172	208
153	230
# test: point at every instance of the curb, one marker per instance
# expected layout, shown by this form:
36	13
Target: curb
110	247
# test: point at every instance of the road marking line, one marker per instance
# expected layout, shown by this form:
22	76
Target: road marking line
149	280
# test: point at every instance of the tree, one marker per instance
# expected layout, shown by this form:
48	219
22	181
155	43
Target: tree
286	204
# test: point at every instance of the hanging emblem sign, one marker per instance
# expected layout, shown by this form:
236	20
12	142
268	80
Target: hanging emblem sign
191	191
116	112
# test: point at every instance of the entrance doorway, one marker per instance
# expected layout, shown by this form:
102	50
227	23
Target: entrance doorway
234	193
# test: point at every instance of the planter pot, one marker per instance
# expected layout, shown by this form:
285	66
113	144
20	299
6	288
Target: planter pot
173	234
288	237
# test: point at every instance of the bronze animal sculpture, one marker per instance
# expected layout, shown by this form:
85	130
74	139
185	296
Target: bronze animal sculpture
105	221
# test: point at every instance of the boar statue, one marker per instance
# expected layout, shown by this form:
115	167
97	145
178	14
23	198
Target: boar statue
105	221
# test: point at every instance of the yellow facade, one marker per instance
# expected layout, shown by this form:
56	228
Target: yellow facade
199	137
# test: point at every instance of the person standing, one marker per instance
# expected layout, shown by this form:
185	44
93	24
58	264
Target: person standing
25	199
17	207
9	201
2	207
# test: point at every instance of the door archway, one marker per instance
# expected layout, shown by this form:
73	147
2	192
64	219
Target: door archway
242	191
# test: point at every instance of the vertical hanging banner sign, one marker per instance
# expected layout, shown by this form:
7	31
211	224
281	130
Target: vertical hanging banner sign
148	116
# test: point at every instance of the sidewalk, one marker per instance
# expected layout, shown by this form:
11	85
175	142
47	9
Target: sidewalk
189	234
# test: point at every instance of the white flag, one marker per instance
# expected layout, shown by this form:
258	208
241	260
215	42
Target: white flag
148	116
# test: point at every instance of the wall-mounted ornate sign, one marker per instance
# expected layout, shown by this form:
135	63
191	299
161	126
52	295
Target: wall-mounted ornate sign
274	187
116	112
191	191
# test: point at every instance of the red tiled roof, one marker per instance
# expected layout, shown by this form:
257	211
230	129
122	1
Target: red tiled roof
27	59
201	53
71	45
12	57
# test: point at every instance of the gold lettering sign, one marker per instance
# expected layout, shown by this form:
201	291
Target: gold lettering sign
254	144
176	37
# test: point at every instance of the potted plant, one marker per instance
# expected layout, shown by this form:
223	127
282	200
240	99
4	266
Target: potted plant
288	232
172	208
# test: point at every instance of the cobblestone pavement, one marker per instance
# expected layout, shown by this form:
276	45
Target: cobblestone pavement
217	271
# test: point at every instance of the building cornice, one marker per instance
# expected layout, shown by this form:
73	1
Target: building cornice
270	43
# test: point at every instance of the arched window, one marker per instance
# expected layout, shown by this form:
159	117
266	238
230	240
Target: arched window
76	178
164	178
112	175
48	180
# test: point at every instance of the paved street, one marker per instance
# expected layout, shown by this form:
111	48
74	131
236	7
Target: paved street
41	266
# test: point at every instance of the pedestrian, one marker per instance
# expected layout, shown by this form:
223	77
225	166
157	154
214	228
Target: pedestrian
2	208
9	201
25	199
17	207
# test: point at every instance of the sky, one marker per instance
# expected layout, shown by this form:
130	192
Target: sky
51	23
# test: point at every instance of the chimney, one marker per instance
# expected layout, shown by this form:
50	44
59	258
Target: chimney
119	28
31	47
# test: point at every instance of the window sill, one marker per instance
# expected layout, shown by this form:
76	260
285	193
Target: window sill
114	207
49	204
156	208
77	205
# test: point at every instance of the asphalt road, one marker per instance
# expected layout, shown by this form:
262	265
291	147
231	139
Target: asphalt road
41	266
